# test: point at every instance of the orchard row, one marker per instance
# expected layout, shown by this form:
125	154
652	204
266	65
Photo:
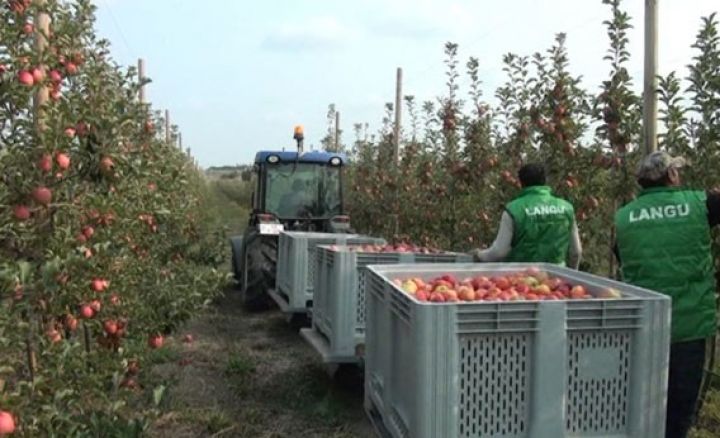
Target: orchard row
460	154
105	246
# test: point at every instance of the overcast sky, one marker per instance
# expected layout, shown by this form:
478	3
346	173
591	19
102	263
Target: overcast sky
237	75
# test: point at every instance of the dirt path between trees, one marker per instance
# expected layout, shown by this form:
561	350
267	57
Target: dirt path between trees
252	375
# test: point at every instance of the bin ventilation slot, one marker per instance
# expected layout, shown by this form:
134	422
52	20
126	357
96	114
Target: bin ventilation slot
311	269
598	381
362	284
494	383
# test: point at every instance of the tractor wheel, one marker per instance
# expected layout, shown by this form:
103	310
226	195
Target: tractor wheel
236	273
261	261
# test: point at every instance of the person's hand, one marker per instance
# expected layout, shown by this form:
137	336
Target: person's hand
476	254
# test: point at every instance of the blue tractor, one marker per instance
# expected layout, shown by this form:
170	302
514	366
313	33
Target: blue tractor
294	191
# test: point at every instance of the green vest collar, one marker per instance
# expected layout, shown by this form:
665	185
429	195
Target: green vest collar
535	190
665	189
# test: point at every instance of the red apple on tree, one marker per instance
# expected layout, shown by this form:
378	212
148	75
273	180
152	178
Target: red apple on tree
42	195
95	305
88	231
98	284
110	327
71	322
55	76
53	335
38	75
21	212
86	311
55	94
45	163
26	78
63	160
81	239
71	68
7	423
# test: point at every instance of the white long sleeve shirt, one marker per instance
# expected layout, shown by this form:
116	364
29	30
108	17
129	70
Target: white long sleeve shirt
503	244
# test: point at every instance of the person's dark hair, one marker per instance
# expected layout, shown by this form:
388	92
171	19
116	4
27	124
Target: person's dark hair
650	183
532	174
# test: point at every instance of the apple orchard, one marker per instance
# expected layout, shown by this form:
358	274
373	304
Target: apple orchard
459	155
104	248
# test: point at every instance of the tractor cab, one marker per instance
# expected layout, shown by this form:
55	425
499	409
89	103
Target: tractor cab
300	191
297	191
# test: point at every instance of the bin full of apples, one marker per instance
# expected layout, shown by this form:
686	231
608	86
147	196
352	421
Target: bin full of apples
529	285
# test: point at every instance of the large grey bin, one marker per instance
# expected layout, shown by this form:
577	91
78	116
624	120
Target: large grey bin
550	369
296	265
338	317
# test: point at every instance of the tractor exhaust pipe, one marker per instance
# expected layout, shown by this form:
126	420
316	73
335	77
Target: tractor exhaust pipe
299	136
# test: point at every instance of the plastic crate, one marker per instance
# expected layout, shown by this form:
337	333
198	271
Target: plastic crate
585	368
296	265
339	303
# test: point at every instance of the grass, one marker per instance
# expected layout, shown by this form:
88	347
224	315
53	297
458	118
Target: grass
308	390
305	389
239	365
250	375
214	420
164	355
708	422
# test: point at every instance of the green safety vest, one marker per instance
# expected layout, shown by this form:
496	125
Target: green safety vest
542	224
664	243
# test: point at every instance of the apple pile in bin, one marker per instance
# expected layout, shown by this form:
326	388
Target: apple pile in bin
531	285
388	248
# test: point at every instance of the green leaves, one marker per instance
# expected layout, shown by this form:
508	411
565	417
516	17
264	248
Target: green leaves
450	189
59	375
158	394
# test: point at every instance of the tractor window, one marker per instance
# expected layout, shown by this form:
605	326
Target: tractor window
303	190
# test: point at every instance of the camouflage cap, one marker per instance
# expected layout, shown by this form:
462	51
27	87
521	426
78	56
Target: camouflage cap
655	165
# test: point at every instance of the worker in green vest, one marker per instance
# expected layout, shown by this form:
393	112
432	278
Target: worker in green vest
536	226
664	244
